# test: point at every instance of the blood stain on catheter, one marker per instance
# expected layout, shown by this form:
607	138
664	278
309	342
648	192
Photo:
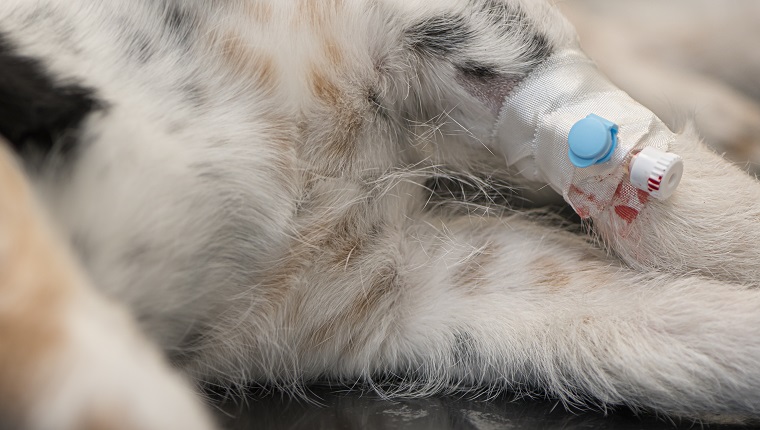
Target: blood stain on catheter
627	213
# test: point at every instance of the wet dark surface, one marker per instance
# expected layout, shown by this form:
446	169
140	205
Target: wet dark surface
339	409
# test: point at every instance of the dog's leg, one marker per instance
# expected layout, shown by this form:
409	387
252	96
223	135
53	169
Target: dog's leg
529	305
471	302
68	358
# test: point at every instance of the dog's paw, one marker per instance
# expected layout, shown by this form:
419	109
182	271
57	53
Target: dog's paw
105	375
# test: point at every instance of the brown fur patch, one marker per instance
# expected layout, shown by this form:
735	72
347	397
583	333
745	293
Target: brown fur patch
324	88
385	282
347	240
333	52
471	275
106	419
36	279
345	118
380	299
244	62
328	239
277	288
339	240
551	274
377	298
29	338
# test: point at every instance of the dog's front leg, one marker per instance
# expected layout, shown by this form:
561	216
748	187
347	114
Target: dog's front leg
707	226
454	303
68	358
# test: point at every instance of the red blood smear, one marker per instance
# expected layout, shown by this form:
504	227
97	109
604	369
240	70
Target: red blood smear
575	194
643	196
619	190
576	191
583	212
627	213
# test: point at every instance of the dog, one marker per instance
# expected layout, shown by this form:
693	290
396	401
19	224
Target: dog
288	191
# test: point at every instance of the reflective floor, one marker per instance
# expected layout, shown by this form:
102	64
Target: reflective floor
354	410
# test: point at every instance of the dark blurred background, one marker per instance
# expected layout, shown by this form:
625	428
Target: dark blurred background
342	409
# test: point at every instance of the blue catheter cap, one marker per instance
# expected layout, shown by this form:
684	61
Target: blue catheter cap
592	140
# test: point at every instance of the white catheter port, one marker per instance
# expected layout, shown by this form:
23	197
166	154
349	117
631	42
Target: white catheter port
656	172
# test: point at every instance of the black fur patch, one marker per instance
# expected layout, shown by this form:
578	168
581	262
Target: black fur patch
37	114
178	20
450	36
141	47
478	70
511	20
464	351
440	36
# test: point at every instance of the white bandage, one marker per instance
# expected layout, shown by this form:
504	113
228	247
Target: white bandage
535	120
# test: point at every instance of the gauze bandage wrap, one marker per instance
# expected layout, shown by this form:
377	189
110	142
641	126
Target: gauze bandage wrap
535	120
